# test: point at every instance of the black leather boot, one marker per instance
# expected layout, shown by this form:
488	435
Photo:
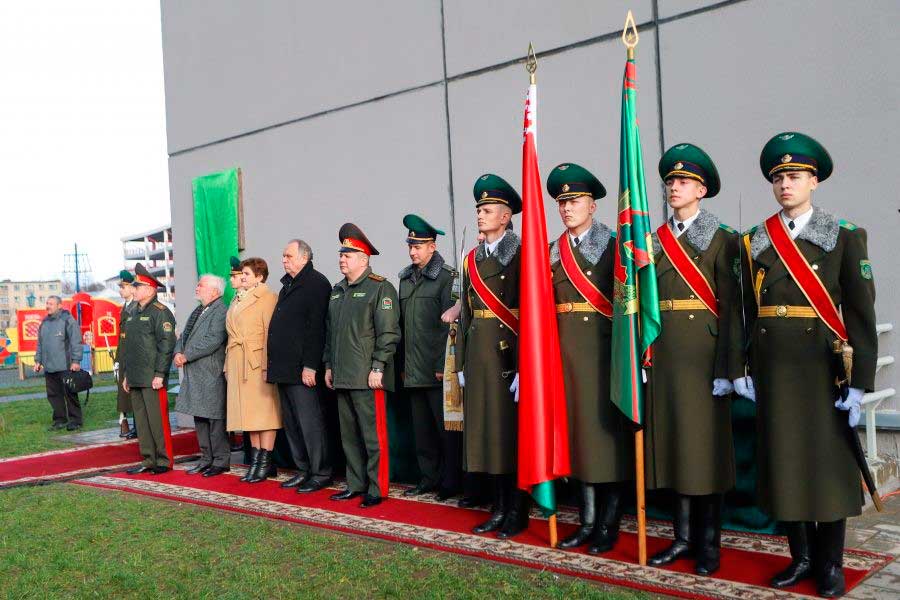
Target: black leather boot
610	515
709	529
681	545
801	535
587	516
263	467
500	508
517	518
254	463
829	549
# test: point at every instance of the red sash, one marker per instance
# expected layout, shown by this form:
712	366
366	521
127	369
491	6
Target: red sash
809	283
688	270
488	297
585	286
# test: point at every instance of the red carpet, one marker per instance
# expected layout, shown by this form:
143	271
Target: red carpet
62	464
748	560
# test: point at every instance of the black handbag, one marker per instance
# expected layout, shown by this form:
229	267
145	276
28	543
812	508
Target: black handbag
79	381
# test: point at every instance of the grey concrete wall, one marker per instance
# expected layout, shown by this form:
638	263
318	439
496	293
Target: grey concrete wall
357	111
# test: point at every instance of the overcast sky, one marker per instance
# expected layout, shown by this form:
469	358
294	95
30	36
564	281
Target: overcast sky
82	132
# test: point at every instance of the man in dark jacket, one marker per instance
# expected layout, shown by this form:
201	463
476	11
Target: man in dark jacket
295	344
58	351
425	293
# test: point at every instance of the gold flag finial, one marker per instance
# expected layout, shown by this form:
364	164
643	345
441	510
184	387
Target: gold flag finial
630	35
531	62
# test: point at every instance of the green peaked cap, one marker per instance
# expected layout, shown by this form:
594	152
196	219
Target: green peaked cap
235	264
688	160
569	180
419	230
493	189
126	276
793	151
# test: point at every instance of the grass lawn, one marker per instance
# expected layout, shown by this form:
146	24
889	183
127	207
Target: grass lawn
37	385
64	540
24	423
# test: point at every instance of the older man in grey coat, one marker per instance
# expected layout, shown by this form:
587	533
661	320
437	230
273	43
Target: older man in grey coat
200	352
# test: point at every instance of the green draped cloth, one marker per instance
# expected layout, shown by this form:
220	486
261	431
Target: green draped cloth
216	198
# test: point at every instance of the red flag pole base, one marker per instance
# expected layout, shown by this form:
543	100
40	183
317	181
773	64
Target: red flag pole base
553	536
641	502
167	429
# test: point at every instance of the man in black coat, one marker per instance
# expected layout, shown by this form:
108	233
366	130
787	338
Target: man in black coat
295	344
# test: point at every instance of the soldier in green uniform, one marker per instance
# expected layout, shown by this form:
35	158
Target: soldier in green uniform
425	293
362	333
145	362
688	437
600	440
808	477
123	398
487	354
235	277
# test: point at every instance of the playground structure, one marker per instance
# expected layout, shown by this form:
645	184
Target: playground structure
98	319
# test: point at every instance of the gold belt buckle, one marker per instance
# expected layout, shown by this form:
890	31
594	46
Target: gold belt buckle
568	307
666	305
781	310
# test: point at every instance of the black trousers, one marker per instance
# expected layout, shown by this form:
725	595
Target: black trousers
215	449
304	425
438	452
66	408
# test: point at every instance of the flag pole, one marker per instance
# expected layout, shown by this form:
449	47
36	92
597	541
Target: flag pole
630	39
531	67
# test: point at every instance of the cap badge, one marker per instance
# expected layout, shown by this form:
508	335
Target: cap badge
484	177
786	136
679	166
484	194
681	146
563	167
565	187
787	158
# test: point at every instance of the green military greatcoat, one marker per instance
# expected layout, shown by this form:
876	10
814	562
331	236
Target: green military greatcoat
806	469
149	344
491	416
688	437
123	398
600	441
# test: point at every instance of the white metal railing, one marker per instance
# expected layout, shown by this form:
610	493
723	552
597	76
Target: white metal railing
872	401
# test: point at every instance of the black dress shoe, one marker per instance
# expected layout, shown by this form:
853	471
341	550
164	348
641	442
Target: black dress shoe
139	469
198	468
313	485
418	490
160	470
131	434
213	471
369	501
347	494
73	426
471	502
296	481
445	494
56	427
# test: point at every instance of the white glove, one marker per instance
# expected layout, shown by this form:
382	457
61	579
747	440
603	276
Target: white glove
644	375
721	387
462	379
515	387
744	387
116	365
851	404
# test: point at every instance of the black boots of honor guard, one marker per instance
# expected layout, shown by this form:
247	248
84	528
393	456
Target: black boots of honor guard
817	550
509	514
702	540
600	513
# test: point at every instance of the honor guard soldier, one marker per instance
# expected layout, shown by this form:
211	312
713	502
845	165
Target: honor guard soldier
810	294
123	398
487	354
426	288
145	363
236	278
600	440
689	444
362	333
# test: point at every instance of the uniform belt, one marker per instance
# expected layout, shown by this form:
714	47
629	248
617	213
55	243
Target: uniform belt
786	311
675	304
568	307
486	313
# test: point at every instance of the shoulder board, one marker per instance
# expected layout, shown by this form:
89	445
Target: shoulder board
375	277
727	228
449	269
752	230
848	225
158	304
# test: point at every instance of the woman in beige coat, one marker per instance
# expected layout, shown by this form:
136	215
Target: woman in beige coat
253	405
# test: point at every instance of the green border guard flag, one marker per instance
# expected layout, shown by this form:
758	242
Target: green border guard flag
216	234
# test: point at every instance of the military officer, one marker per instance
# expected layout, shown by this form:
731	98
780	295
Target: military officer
362	333
487	354
123	398
236	279
600	439
425	293
809	291
688	435
145	363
